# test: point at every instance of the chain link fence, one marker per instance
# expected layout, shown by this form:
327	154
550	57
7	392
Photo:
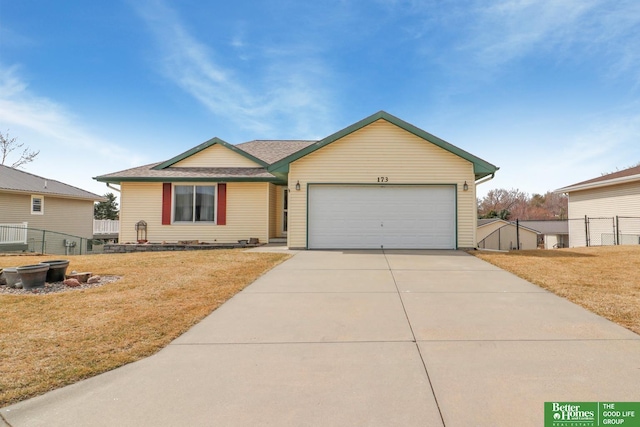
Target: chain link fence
604	231
19	238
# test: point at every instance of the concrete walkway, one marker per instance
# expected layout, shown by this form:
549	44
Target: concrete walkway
400	338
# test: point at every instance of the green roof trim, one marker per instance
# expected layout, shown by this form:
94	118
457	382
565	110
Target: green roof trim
204	146
481	167
118	180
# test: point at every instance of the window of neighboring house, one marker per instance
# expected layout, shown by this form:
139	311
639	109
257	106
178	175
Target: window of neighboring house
37	205
194	203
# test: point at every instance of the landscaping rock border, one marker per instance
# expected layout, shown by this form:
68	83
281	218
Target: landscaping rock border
120	248
56	287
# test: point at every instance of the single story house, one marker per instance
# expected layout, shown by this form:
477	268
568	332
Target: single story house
552	233
605	210
34	202
379	183
498	234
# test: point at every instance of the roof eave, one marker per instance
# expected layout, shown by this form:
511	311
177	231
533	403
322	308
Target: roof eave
118	180
57	195
480	172
599	184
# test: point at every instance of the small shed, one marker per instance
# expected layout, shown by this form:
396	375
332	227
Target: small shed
498	234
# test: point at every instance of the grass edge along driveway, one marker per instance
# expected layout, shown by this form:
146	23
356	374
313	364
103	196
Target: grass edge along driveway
49	341
605	279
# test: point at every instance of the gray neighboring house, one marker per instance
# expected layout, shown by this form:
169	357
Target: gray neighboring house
43	204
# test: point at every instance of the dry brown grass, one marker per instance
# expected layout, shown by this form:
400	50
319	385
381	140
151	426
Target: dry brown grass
604	280
48	341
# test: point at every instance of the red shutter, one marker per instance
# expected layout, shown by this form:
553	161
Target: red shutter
222	204
166	203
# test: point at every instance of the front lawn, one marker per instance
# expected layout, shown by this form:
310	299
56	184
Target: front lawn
48	341
604	280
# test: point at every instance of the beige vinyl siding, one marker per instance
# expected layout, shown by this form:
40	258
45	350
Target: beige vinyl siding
484	230
247	215
69	216
610	201
382	149
217	156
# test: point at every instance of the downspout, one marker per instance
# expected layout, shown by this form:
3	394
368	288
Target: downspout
113	188
485	179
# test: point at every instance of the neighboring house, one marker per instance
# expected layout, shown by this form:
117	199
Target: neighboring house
553	234
43	204
380	182
601	200
498	234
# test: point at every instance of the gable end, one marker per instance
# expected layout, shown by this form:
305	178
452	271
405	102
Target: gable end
481	167
204	146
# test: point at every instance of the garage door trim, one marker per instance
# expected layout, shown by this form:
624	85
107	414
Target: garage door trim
375	184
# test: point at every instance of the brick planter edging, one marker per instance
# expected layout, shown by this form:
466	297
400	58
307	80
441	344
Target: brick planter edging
119	248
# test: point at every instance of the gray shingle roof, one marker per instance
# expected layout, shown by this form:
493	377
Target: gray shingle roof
630	172
275	155
148	172
270	151
548	227
539	226
24	182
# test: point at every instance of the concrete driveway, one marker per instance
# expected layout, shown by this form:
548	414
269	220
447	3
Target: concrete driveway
369	338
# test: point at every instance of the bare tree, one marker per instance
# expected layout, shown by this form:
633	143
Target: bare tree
502	203
514	204
8	145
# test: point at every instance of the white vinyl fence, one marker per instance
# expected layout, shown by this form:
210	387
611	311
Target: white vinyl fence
13	233
106	226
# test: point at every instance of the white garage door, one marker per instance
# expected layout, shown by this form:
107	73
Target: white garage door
388	216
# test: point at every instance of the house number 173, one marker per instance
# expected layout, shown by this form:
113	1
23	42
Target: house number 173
383	179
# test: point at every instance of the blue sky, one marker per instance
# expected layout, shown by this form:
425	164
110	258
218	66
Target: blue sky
546	90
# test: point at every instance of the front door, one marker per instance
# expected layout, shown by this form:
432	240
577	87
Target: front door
285	209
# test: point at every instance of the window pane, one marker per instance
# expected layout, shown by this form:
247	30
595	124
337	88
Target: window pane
37	205
205	201
183	207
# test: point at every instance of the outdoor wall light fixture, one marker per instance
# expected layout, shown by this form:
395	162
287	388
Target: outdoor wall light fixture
465	186
298	186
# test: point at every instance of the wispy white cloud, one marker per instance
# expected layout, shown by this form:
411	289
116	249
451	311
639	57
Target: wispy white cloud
285	98
609	141
68	151
567	29
479	34
19	107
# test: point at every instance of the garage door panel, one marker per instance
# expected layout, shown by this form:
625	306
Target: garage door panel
390	216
